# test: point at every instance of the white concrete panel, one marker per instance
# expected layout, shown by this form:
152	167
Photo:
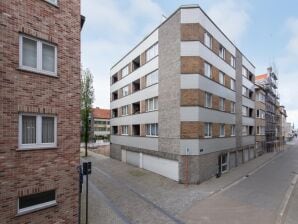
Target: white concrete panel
196	81
149	117
248	65
196	48
206	115
146	93
246	155
143	46
204	146
248	102
123	156
248	84
248	121
164	167
133	158
133	141
248	140
196	15
142	71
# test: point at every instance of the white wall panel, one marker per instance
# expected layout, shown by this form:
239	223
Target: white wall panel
248	140
248	65
248	84
248	102
149	117
248	121
133	141
133	158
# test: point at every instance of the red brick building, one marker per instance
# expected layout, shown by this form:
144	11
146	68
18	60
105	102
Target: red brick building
39	111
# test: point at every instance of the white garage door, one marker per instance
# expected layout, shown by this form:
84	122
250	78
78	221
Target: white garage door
133	158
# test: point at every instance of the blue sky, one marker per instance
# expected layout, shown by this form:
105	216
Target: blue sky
265	31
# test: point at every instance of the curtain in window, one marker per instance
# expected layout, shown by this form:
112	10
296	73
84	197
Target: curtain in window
28	129
48	129
48	58
29	53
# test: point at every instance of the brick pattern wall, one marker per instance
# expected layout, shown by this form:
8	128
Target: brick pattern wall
32	171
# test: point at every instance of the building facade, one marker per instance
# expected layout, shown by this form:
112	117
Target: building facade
283	121
100	123
260	120
40	111
183	101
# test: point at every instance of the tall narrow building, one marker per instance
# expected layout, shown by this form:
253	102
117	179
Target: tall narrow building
183	101
39	111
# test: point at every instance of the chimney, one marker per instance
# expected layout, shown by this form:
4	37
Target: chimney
269	70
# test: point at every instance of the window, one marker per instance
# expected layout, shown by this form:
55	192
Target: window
54	2
233	130
208	40
38	56
34	202
222	104
221	78
124	130
233	107
136	108
244	111
136	130
207	70
244	91
244	72
232	61
152	129
258	114
224	162
222	52
152	104
244	130
152	52
208	130
261	97
136	63
233	84
115	95
115	112
152	78
125	91
37	131
124	71
208	100
222	130
114	78
114	130
125	110
136	85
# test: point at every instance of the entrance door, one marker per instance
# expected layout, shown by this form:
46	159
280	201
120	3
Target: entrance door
224	162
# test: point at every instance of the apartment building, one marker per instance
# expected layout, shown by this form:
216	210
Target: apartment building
283	122
100	123
260	119
183	101
40	111
268	82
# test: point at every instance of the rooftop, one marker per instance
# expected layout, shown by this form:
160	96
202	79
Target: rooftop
101	113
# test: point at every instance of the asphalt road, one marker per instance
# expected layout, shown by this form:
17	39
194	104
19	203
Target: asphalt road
258	199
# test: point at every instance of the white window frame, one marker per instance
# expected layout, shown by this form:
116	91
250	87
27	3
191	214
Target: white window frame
38	144
208	37
124	71
222	52
151	126
221	78
125	91
244	130
226	164
53	2
152	52
244	91
207	65
233	107
233	130
233	84
222	104
152	78
222	130
125	109
246	110
233	61
244	72
154	101
209	132
208	104
38	68
125	128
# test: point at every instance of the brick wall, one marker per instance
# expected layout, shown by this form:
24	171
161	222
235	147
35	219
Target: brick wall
38	170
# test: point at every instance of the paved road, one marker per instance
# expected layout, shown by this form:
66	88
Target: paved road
257	199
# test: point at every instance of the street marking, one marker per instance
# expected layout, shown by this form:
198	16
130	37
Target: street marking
285	202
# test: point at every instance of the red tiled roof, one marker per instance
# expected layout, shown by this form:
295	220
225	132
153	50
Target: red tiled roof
101	113
260	77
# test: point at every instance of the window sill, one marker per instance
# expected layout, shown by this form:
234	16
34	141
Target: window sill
36	208
37	148
24	69
151	136
207	136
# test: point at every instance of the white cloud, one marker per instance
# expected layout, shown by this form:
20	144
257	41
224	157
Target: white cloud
232	17
111	29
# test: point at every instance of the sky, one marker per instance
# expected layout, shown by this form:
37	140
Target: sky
265	31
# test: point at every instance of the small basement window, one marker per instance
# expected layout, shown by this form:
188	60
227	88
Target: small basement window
136	63
136	86
34	202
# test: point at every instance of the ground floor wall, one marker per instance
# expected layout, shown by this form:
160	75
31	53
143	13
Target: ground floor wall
191	169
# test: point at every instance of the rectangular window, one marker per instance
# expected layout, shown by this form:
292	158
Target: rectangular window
258	114
37	131
233	84
152	104
208	40
221	78
124	110
54	2
125	91
207	70
233	130
208	100
152	129
244	111
244	72
38	56
152	52
222	130
258	130
222	52
124	71
232	61
208	130
124	130
233	107
37	201
244	91
244	130
152	78
222	104
224	162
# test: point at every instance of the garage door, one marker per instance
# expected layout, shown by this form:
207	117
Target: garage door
133	158
240	154
246	155
232	159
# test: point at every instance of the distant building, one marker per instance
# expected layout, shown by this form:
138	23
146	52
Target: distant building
100	123
260	120
283	122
